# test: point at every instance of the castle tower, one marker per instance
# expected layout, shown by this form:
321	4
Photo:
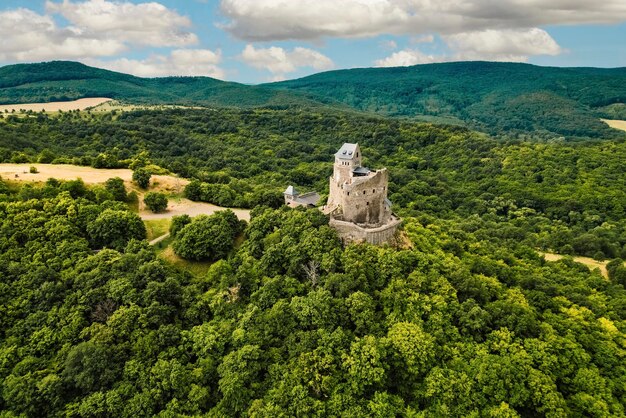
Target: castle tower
290	194
346	159
358	194
357	203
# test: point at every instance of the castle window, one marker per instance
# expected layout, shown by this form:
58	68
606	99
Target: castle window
374	191
368	203
363	191
348	193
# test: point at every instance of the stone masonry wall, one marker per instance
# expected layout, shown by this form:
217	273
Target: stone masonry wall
364	199
349	232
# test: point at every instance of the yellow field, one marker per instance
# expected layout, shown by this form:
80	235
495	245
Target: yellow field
589	262
115	105
80	104
90	175
617	124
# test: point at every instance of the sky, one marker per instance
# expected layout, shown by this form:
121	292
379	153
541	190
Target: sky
256	41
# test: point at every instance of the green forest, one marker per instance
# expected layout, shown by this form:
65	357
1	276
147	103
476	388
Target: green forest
460	317
499	98
493	97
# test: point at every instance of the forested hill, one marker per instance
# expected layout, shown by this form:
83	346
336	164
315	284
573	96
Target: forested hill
464	319
499	98
66	80
489	96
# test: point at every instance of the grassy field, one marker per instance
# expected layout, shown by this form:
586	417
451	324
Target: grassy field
616	124
166	252
80	104
89	175
157	227
115	105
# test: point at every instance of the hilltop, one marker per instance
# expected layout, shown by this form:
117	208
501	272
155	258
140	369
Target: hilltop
499	98
488	96
66	80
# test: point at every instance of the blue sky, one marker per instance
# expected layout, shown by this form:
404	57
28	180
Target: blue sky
254	41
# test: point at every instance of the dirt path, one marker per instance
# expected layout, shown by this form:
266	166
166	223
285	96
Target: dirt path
159	239
80	104
186	206
589	262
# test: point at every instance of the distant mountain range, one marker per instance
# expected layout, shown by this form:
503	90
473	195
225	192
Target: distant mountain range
499	98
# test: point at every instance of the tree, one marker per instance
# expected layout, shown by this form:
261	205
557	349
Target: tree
207	237
178	223
45	156
114	228
116	187
238	372
142	176
193	191
89	367
156	202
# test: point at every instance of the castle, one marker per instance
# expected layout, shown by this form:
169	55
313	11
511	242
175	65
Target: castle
357	204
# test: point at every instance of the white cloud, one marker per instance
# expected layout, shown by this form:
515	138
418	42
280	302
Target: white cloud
514	45
391	44
502	45
29	36
180	62
280	61
142	24
408	57
266	20
96	28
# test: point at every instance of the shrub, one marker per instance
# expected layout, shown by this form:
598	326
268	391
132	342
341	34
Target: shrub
142	176
178	223
116	187
155	201
208	237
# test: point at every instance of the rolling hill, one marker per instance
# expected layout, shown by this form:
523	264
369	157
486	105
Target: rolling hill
66	80
499	98
488	96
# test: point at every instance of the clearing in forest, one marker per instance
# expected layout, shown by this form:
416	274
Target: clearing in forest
589	262
616	124
90	175
168	184
80	104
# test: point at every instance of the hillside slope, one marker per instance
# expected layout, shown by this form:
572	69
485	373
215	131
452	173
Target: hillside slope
65	80
489	96
499	98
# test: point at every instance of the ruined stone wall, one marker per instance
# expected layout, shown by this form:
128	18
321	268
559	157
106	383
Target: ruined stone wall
363	201
349	232
335	194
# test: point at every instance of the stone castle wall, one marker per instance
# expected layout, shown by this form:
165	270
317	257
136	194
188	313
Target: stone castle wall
364	199
349	232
